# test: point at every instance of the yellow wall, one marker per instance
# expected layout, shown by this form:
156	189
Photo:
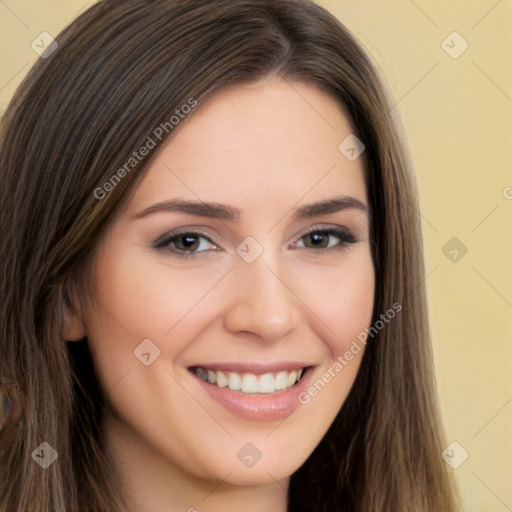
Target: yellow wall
457	113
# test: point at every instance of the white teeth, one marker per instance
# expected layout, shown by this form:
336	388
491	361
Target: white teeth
249	382
282	380
234	381
222	380
267	383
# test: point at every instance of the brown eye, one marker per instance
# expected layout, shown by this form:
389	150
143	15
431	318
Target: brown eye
325	240
185	243
317	240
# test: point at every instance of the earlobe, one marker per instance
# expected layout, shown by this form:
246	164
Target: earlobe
74	327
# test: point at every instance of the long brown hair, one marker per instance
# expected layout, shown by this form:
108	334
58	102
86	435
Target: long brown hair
119	71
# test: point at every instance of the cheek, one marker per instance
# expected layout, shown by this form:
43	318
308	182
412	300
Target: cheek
342	297
137	300
147	298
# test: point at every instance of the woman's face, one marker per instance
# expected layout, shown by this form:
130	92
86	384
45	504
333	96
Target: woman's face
244	258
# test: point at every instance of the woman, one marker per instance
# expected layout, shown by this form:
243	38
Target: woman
212	290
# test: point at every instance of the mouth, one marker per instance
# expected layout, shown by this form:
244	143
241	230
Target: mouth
254	392
250	383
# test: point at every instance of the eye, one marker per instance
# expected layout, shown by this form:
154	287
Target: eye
325	240
184	243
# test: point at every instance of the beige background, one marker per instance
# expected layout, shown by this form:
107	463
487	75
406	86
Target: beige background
457	113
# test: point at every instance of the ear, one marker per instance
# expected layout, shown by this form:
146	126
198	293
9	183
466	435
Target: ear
74	326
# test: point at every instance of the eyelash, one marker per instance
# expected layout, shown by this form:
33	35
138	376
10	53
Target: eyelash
164	242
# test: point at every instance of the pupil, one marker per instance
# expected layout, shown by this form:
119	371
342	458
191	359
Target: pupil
318	238
188	242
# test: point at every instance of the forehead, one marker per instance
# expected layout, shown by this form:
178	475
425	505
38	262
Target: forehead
252	143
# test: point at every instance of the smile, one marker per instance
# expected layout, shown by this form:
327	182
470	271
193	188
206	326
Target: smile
254	391
250	382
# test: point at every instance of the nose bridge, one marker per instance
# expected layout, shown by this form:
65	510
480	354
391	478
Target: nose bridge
263	302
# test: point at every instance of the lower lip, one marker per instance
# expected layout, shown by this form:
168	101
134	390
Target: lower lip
258	407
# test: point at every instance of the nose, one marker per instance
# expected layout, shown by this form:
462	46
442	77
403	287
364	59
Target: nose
263	302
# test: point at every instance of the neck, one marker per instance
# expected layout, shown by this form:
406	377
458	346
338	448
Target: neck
153	483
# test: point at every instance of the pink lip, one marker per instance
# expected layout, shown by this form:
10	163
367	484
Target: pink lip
258	407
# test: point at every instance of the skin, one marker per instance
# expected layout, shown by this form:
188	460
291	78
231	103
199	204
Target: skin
264	150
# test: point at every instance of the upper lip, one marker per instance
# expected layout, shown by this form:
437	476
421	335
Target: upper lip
254	367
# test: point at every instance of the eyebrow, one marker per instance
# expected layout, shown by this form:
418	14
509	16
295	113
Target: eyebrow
225	212
333	205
